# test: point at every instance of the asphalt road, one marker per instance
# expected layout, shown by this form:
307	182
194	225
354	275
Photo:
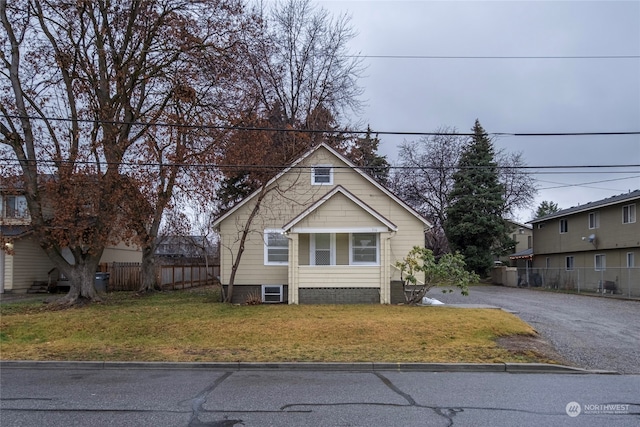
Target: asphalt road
592	332
61	396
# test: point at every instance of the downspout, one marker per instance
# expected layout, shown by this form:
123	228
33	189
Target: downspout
292	268
385	282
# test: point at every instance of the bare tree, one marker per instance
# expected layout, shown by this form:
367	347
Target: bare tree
82	82
302	65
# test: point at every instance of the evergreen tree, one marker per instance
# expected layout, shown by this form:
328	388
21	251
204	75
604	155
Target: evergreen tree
546	208
364	153
474	223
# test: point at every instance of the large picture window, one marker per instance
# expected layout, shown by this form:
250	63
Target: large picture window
364	248
276	248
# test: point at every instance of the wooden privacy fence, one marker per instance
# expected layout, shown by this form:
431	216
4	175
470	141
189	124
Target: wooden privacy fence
127	276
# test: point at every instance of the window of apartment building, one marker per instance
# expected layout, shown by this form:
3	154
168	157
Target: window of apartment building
564	225
594	220
629	214
541	226
364	249
568	262
272	293
14	207
547	262
529	242
322	175
600	262
631	262
276	248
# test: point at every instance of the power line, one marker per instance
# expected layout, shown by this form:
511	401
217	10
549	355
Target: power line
322	131
551	57
545	168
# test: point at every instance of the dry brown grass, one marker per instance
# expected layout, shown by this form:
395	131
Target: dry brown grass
182	326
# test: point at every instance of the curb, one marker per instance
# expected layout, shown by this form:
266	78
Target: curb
516	368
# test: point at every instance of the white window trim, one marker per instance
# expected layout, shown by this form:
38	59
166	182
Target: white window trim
566	222
628	207
566	267
596	220
631	259
332	249
272	286
352	262
313	175
603	266
266	247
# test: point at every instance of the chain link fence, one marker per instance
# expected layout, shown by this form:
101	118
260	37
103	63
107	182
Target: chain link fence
619	281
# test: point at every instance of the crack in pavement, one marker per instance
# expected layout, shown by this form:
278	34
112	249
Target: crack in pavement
198	401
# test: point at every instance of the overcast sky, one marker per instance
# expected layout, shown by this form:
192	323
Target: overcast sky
510	95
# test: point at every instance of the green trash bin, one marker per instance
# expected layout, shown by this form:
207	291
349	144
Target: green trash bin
102	282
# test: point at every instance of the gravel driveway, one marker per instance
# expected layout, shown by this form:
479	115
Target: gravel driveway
592	332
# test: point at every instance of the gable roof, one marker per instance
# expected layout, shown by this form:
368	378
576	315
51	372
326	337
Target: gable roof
352	166
328	196
590	206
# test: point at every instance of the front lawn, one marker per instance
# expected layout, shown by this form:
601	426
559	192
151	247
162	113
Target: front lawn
189	326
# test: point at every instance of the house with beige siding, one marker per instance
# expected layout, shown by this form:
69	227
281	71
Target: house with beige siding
22	260
323	232
593	247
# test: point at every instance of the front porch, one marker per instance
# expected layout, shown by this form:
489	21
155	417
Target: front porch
336	267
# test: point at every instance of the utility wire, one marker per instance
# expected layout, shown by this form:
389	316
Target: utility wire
598	168
319	131
568	57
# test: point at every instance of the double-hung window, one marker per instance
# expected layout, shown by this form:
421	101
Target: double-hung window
600	262
631	260
15	207
629	214
276	248
564	225
594	220
323	249
364	249
569	263
322	175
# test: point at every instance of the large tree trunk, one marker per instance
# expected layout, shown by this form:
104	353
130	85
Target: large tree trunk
81	281
149	277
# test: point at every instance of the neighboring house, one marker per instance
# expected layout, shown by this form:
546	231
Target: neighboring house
23	262
522	234
592	247
325	232
191	247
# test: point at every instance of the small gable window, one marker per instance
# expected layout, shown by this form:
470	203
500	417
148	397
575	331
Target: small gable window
322	175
